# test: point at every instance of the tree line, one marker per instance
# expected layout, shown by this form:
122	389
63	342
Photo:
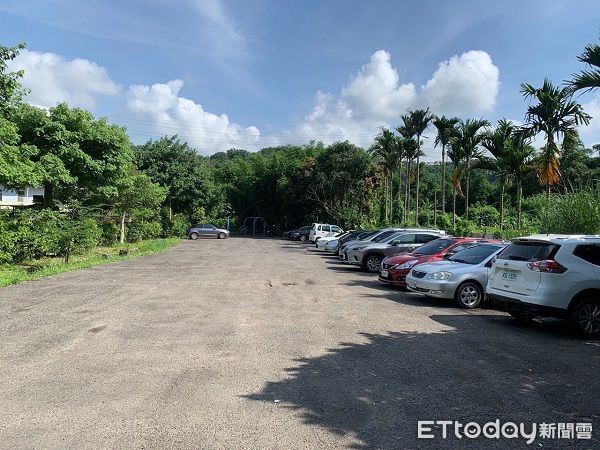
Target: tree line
102	189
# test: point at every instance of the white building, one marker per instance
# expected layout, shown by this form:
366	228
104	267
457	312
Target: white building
20	197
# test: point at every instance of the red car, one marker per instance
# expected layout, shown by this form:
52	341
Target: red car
395	268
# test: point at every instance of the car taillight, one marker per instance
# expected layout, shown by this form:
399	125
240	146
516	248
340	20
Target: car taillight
546	266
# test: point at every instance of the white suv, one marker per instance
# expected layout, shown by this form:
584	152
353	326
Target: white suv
319	230
550	275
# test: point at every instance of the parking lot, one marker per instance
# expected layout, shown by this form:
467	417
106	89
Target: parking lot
261	343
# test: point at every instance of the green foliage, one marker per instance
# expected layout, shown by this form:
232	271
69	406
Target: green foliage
573	213
11	91
139	230
484	215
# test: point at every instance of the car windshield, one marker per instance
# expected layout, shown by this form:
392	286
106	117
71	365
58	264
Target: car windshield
381	236
365	235
475	255
434	247
528	251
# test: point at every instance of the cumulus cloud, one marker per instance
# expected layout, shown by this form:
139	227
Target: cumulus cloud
463	85
590	134
159	110
53	79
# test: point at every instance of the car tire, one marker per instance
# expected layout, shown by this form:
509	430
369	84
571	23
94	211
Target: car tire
468	295
372	263
585	317
302	238
194	236
522	316
221	235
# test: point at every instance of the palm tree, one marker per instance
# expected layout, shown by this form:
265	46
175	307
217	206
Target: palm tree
455	155
496	142
410	151
468	137
554	115
519	162
384	149
417	122
589	79
400	156
445	130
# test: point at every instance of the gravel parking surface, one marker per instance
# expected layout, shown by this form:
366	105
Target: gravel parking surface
250	343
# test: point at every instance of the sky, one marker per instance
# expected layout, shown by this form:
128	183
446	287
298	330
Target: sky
230	74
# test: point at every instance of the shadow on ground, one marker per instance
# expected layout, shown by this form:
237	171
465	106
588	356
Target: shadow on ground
477	368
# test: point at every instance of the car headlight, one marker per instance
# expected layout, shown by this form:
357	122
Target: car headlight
439	275
406	265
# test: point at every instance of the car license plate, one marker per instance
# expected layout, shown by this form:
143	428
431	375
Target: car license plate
384	273
510	276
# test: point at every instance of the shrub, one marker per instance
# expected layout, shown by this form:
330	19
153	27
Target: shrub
138	231
484	215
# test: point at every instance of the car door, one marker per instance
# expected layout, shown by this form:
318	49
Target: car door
405	243
325	231
211	230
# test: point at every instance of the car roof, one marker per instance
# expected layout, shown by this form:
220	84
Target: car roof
559	238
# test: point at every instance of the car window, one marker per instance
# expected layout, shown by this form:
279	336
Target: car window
425	238
335	229
383	235
211	226
326	228
589	253
434	247
460	248
475	254
405	239
529	251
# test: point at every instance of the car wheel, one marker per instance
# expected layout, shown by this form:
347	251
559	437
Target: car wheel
221	235
468	295
521	316
194	236
586	317
302	238
372	263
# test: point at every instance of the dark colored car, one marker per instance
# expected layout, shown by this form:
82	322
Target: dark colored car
207	230
395	268
301	234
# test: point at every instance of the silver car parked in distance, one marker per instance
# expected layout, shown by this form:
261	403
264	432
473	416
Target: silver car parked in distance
207	230
462	277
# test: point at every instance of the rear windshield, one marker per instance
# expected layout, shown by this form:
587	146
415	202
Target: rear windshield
381	236
474	255
529	251
434	247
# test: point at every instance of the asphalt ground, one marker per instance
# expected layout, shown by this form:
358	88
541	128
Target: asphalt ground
260	343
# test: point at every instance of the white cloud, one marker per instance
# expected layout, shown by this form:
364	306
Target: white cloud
159	110
590	134
463	85
53	79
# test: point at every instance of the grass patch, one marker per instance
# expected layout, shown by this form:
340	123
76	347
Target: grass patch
13	274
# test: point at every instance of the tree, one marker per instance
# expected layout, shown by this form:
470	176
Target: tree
78	156
496	142
385	152
455	154
137	194
416	122
11	91
587	80
554	114
445	130
340	183
176	166
17	170
467	139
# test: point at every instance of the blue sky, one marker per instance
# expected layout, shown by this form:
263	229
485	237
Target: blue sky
256	73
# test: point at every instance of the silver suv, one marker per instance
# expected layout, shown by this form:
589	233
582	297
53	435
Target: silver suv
550	275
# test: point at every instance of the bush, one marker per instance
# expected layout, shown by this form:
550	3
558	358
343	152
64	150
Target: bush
572	213
138	231
484	215
177	226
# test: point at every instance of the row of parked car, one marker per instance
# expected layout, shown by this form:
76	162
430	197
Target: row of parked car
533	276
